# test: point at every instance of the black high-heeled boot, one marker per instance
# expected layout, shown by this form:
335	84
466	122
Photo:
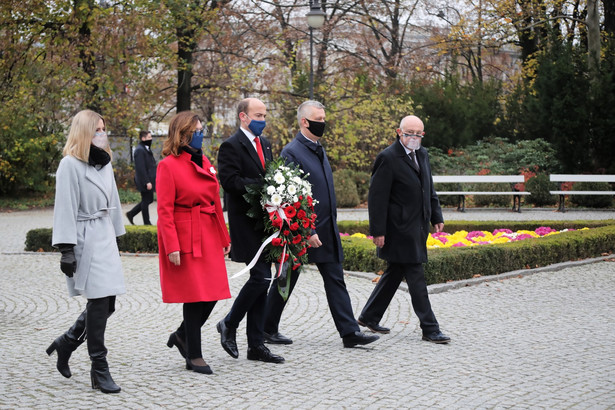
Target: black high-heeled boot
96	323
67	343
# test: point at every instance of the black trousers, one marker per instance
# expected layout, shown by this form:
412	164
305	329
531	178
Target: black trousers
147	197
195	316
337	296
386	287
251	302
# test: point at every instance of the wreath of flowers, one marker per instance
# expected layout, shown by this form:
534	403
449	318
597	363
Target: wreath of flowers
286	199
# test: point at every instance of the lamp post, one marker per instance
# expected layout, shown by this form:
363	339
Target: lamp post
315	19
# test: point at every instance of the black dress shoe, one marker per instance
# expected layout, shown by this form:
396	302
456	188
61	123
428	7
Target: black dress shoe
263	354
129	218
374	327
358	338
277	339
436	337
177	342
227	339
204	369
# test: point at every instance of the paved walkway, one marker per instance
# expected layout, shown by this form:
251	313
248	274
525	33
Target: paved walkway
541	341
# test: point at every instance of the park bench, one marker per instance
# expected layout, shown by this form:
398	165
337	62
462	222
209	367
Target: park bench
561	178
463	179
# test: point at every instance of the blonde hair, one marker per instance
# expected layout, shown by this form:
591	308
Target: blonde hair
181	128
80	135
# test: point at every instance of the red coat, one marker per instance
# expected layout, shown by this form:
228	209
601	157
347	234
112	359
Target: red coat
190	220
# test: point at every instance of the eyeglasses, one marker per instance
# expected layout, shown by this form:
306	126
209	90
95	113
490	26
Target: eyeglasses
413	134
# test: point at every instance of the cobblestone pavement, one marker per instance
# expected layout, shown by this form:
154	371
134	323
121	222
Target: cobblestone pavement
542	341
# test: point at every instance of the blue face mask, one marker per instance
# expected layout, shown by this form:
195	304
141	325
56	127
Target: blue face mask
257	127
197	140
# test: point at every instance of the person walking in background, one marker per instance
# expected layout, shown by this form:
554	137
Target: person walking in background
145	177
325	245
241	160
401	203
192	235
87	218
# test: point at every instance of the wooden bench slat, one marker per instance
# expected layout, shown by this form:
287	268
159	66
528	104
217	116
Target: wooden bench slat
581	178
582	192
478	178
481	193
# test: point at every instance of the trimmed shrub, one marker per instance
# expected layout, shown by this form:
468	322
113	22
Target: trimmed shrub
361	180
444	264
592	201
539	186
345	189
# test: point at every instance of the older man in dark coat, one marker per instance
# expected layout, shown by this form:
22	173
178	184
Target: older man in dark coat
145	177
402	202
326	248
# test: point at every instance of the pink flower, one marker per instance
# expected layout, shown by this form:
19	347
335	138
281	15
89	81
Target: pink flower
502	230
543	230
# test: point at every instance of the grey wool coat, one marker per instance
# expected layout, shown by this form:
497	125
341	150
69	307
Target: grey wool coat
87	214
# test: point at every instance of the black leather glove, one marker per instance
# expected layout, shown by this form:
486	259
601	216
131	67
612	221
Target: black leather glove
68	262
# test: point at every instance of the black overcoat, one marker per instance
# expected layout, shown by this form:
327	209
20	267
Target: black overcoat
145	168
401	204
238	166
301	151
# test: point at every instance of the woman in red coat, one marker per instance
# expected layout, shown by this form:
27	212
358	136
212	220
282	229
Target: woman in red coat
192	235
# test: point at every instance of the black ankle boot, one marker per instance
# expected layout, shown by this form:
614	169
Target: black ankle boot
97	312
66	344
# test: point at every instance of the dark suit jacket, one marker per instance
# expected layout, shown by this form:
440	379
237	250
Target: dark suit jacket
238	166
401	204
302	152
145	168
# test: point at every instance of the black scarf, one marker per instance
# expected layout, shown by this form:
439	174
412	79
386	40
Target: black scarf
196	155
98	156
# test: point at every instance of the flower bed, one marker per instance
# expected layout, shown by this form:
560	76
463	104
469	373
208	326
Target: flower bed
475	238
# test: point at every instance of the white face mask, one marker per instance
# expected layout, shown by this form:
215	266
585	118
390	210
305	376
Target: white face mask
100	140
413	144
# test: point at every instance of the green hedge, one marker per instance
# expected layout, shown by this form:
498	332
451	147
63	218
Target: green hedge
351	227
444	264
466	262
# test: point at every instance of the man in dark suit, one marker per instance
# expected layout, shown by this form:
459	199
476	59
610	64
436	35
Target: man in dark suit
241	162
145	177
326	248
401	203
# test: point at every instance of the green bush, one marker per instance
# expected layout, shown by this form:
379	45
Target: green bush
592	201
539	186
361	180
345	189
495	200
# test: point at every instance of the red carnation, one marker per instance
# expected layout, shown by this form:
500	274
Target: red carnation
276	221
290	212
306	223
294	226
286	232
301	214
285	258
276	242
309	199
296	266
297	205
302	252
297	239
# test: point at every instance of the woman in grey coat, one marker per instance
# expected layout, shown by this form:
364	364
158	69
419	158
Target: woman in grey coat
87	219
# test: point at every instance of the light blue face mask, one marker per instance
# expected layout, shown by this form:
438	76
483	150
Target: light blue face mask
197	139
257	127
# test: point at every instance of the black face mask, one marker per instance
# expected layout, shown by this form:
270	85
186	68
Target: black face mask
98	156
147	142
316	127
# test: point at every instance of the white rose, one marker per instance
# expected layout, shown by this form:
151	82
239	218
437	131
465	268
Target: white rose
276	200
278	178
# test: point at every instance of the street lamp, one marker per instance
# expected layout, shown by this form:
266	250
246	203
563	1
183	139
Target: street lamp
315	19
